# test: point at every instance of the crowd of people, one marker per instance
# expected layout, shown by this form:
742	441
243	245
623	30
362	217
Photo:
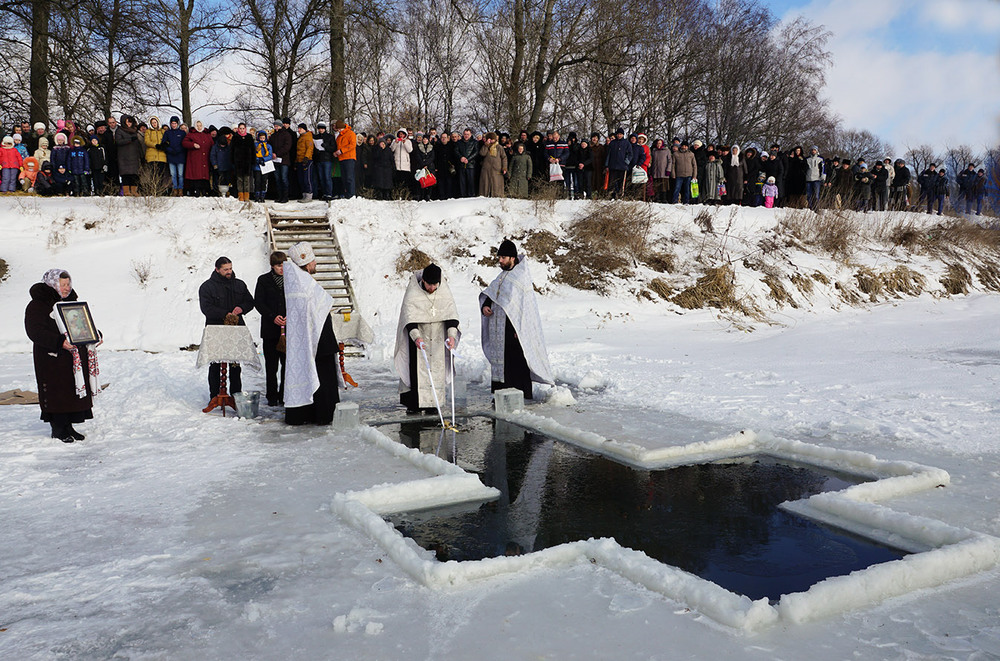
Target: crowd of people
281	162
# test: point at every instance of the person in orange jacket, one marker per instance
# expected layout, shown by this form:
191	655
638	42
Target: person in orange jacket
347	146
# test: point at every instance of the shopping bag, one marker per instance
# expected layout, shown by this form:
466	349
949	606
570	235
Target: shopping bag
420	174
639	175
555	172
722	189
694	188
428	179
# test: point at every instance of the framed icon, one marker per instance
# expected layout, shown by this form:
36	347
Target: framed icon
78	322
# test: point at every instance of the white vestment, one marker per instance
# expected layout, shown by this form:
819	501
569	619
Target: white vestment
513	296
429	312
307	306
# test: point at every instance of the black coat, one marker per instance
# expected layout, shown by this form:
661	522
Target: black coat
270	302
53	363
218	296
382	168
243	151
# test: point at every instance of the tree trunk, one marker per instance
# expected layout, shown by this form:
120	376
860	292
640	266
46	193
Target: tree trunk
338	77
39	68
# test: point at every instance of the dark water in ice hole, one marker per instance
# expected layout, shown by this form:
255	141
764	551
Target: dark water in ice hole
719	521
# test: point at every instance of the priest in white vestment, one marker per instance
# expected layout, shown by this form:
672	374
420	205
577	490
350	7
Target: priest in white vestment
428	324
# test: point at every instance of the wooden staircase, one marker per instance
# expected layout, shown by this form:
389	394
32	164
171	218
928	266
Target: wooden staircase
285	230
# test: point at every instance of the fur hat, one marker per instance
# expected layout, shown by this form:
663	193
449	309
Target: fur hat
39	126
61	138
8	141
770	180
301	253
77	141
696	144
341	124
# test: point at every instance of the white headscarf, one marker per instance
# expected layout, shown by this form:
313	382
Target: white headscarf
735	159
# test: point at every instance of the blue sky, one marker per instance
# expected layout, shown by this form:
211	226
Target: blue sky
912	71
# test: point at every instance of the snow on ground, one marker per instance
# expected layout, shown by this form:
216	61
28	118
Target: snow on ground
170	534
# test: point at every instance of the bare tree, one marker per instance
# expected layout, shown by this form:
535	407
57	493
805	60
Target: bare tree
855	144
194	32
278	37
919	158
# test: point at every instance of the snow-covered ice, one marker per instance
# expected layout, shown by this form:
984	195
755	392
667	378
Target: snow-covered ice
170	534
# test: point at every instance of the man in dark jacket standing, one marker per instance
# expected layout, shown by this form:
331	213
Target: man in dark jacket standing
269	296
282	142
618	159
222	295
465	155
324	146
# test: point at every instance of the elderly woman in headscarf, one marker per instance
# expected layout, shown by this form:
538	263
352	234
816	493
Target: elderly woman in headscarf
736	174
66	373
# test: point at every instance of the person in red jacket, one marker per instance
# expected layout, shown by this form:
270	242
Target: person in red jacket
198	143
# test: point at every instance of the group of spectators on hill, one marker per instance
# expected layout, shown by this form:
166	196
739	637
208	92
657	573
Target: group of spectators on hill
131	157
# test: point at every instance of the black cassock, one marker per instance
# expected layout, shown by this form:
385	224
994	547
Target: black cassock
327	396
515	367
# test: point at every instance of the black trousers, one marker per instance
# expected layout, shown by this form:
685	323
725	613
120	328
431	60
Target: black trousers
215	378
274	363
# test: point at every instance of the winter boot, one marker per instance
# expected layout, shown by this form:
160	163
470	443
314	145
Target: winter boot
306	197
62	433
74	434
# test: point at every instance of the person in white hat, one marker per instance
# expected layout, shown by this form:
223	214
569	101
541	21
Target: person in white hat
311	347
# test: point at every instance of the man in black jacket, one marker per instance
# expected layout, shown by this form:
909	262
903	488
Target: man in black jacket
283	144
223	294
269	296
324	145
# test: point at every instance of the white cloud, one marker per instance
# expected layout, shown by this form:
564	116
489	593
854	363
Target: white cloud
980	16
942	99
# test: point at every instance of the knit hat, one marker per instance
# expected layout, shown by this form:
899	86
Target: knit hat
17	137
321	125
8	141
696	144
340	125
90	127
301	253
286	120
619	130
431	274
262	132
39	126
43	142
60	124
764	154
507	249
302	125
277	122
770	180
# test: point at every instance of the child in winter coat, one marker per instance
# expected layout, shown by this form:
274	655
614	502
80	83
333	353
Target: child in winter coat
79	168
43	153
44	185
770	192
10	162
19	146
60	153
62	181
29	172
98	165
265	154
